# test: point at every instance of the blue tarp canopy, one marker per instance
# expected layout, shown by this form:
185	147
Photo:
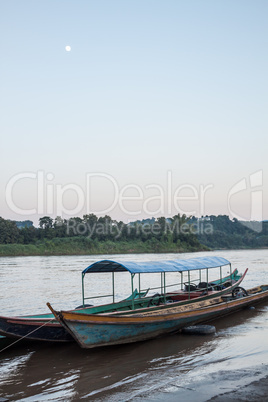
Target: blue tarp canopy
157	266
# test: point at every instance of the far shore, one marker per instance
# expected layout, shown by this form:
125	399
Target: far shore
50	249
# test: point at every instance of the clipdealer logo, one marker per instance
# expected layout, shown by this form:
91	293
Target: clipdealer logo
131	199
150	200
253	185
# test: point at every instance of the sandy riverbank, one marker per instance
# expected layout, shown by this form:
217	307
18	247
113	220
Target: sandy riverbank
254	392
223	386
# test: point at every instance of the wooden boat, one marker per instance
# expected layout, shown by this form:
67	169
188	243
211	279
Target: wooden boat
44	327
190	288
92	331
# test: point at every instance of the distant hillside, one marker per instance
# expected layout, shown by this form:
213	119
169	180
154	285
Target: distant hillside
97	235
100	235
220	232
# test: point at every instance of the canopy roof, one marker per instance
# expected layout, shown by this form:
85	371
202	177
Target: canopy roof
157	266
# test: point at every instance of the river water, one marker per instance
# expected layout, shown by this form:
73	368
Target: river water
176	367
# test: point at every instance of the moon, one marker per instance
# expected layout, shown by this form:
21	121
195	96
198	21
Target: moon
68	48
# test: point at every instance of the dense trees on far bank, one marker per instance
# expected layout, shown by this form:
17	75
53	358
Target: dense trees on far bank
231	234
9	232
92	234
174	230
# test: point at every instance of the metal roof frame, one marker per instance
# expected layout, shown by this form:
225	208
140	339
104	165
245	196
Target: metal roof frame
178	265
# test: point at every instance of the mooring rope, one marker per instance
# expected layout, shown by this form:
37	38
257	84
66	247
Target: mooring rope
25	336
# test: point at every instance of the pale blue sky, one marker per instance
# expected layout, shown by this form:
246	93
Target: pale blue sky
149	87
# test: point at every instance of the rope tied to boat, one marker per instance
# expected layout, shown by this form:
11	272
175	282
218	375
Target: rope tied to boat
25	336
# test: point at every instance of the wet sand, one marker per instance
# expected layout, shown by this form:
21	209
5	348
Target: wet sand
250	391
254	392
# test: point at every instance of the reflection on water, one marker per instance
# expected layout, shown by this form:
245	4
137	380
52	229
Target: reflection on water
193	367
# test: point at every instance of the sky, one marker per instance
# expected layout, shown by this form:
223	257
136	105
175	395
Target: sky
159	108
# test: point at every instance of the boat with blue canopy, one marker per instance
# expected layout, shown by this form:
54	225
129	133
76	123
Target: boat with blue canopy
188	287
44	327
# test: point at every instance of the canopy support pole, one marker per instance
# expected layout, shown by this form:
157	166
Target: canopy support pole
181	280
189	285
164	287
221	274
132	290
139	283
200	276
83	292
113	285
207	280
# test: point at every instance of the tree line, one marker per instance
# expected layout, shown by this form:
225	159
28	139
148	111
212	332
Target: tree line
173	230
226	233
188	233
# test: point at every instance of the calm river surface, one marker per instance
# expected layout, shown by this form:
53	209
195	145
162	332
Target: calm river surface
177	367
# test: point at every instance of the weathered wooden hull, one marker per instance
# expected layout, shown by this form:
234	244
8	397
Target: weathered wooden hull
33	328
16	327
44	327
38	328
92	331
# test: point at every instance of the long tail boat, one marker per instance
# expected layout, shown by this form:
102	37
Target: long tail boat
44	327
194	284
92	331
